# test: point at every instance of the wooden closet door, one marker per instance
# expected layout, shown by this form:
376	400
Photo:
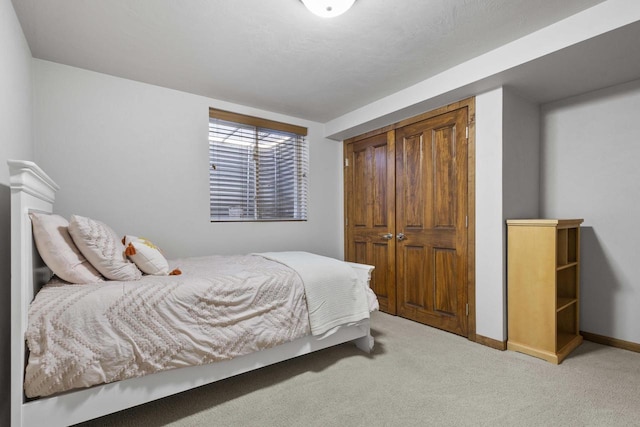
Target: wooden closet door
370	212
431	210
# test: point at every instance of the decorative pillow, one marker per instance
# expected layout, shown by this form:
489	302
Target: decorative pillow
100	244
147	256
51	234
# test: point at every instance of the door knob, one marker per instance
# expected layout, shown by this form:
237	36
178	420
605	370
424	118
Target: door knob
387	236
401	236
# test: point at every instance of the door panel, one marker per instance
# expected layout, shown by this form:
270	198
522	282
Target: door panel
360	186
383	261
444	284
431	209
414	270
370	212
445	179
411	179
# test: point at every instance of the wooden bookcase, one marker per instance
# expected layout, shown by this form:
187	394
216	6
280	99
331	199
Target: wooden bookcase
543	287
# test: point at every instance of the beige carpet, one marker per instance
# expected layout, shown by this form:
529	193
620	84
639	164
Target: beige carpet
416	376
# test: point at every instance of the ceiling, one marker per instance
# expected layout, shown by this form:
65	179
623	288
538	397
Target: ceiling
274	54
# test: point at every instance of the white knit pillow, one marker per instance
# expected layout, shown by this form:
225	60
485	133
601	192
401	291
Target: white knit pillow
146	255
102	247
55	246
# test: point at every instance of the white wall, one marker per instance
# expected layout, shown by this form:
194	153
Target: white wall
490	303
15	143
590	170
136	156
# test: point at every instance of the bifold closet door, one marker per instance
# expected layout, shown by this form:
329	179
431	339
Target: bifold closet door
370	212
406	213
431	221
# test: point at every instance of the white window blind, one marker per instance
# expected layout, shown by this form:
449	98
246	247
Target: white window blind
258	169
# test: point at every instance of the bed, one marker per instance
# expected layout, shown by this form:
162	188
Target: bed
33	192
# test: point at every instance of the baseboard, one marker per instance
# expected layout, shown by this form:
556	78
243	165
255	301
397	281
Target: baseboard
613	342
490	342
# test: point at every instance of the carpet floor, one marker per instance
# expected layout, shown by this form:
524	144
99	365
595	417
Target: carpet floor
416	376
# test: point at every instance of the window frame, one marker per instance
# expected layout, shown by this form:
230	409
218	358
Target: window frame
299	181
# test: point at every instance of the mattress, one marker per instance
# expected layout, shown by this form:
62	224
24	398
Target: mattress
221	307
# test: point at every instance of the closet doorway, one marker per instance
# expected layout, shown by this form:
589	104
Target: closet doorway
409	211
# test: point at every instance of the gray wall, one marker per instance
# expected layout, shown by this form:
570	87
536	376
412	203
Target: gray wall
15	143
521	157
520	166
591	170
15	87
136	156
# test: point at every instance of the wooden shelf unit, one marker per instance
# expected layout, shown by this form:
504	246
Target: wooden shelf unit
543	287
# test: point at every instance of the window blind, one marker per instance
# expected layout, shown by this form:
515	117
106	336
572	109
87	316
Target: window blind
256	173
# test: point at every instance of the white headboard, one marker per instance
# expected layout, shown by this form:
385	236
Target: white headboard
31	191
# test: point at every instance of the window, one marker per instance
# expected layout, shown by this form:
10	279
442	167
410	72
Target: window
258	169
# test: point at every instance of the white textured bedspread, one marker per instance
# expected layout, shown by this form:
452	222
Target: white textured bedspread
219	308
334	294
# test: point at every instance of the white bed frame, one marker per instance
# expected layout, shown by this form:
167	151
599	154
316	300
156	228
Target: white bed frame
32	190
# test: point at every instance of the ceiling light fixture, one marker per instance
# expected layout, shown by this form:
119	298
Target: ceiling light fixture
328	8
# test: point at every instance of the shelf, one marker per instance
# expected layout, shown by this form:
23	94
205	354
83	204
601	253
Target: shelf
565	266
567	321
572	245
566	282
566	246
543	277
562	255
564	303
564	339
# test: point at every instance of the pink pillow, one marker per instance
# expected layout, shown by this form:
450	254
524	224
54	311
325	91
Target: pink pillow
58	251
102	247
